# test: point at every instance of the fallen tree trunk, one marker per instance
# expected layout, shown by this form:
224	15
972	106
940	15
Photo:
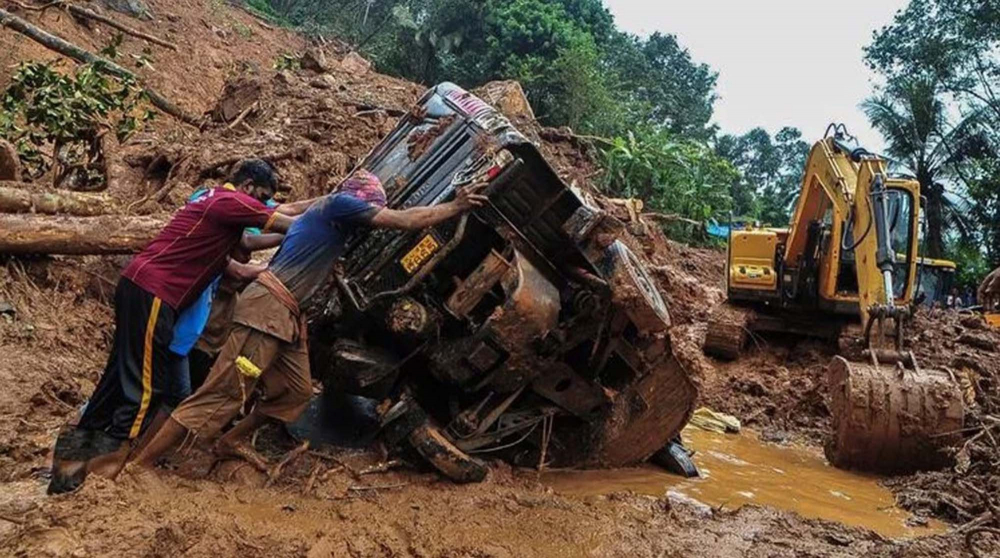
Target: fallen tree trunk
84	13
78	236
65	48
87	14
14	198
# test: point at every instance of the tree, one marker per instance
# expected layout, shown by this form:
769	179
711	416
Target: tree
911	116
577	68
662	85
770	172
956	43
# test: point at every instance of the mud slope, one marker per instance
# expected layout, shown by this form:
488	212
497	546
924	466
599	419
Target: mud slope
55	324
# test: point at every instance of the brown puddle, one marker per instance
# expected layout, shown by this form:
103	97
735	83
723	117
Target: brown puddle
740	469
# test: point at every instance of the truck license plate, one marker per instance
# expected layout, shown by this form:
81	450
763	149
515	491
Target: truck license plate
419	254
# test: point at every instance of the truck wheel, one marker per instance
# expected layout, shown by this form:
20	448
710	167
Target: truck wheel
633	290
444	456
728	329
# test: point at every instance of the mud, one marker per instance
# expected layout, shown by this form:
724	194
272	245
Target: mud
738	470
55	326
54	346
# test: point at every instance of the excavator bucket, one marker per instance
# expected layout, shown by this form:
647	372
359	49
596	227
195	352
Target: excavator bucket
891	419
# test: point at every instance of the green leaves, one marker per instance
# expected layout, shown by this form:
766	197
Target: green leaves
44	109
770	173
939	113
672	175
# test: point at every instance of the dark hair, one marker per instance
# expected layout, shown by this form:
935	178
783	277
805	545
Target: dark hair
258	171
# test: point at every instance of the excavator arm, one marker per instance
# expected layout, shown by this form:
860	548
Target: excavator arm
875	255
849	189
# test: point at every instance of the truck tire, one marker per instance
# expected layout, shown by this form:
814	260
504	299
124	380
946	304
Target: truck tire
450	461
634	291
645	416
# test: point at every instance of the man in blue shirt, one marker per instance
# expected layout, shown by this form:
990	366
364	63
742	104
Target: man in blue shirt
268	342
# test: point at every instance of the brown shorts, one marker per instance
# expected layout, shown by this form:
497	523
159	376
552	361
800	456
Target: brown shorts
285	384
220	319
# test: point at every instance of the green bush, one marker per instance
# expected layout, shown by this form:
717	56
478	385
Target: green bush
672	175
44	110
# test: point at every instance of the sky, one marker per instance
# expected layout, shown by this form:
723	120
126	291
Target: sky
780	62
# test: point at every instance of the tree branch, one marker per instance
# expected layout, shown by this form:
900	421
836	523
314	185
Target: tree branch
65	48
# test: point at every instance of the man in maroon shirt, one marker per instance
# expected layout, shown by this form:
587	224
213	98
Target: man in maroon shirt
157	284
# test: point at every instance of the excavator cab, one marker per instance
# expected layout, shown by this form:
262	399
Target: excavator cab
900	219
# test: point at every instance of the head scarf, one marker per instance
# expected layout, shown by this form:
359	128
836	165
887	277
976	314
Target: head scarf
366	187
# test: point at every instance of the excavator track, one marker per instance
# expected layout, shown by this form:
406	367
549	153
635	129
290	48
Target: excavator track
728	329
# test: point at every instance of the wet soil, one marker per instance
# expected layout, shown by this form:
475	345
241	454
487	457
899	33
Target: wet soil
55	326
741	469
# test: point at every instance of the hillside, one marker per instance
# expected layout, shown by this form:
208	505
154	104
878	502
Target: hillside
318	122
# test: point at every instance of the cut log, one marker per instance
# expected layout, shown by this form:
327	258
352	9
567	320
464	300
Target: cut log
14	198
65	48
78	236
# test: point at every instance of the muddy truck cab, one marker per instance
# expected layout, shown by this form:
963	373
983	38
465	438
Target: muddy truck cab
526	326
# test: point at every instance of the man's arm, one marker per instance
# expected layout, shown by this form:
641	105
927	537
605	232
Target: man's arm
255	242
243	272
417	218
278	223
296	208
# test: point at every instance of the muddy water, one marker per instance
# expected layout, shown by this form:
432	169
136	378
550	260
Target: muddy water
740	469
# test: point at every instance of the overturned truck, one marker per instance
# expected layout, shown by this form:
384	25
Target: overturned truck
526	328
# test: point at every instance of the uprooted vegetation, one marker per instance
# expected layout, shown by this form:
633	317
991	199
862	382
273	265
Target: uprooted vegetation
63	124
316	125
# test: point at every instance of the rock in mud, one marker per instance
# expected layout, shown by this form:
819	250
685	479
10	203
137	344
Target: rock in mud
325	81
508	97
135	8
355	64
973	322
314	59
237	96
978	341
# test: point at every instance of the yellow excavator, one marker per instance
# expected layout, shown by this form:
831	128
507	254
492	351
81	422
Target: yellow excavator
850	252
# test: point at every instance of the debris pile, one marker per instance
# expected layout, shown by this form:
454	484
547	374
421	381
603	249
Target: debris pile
316	123
966	493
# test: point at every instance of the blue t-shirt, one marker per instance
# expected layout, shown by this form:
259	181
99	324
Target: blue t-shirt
193	319
316	240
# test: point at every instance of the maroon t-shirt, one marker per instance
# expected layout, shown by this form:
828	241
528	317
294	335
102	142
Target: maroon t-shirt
191	250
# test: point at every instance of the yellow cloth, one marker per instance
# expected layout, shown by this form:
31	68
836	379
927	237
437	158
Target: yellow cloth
714	421
247	368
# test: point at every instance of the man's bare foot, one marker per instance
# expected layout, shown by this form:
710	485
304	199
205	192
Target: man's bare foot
242	450
110	464
135	475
